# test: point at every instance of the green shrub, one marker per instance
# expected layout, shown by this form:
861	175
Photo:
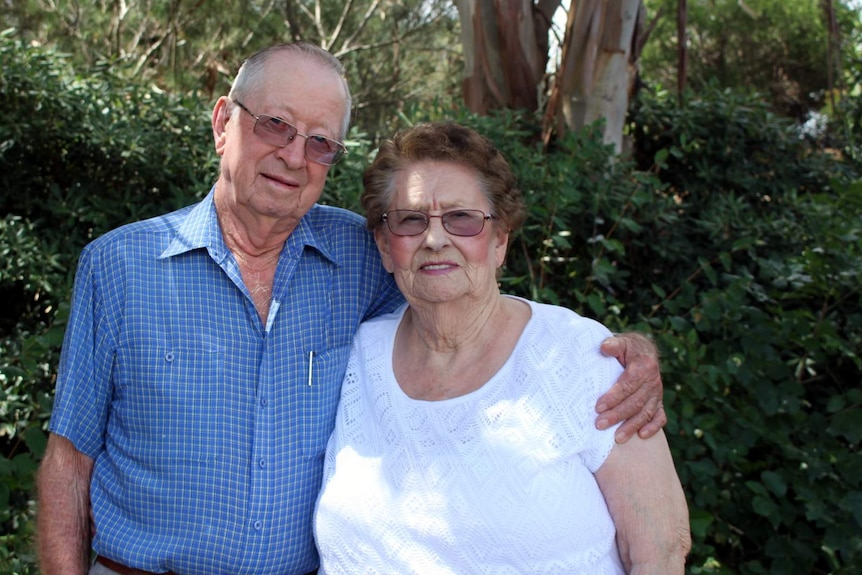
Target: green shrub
78	156
731	240
758	307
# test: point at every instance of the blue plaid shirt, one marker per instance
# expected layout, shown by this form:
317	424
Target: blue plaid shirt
208	427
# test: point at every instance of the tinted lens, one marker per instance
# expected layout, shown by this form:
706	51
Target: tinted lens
323	150
274	131
464	222
278	132
406	222
456	222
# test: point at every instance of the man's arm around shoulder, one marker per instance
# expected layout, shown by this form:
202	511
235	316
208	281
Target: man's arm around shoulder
636	397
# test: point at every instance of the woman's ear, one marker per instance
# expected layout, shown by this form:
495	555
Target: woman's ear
382	240
502	243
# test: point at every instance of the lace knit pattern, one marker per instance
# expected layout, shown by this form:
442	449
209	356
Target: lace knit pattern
496	481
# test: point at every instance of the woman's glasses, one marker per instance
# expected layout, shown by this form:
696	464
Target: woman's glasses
463	223
279	132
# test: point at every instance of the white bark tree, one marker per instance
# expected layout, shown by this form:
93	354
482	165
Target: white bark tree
505	46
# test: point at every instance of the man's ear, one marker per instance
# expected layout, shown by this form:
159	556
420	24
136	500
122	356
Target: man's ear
383	246
220	118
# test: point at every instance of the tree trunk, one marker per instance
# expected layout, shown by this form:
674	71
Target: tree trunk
505	45
598	67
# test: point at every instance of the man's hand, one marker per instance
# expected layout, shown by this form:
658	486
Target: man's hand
636	397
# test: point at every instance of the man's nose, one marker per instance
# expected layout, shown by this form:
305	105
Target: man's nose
293	154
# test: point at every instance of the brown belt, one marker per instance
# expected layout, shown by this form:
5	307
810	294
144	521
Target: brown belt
123	570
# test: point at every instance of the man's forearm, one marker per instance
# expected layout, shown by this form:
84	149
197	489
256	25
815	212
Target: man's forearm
63	519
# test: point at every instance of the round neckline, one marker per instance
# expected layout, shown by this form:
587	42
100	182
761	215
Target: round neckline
391	381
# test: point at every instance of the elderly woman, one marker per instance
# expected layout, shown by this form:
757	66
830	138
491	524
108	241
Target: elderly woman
464	441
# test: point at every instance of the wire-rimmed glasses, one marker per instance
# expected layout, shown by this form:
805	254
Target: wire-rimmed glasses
279	132
463	223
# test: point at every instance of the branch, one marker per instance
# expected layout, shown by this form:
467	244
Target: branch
547	8
365	18
292	21
642	39
348	49
315	21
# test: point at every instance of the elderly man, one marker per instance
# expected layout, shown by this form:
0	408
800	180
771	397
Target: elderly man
203	360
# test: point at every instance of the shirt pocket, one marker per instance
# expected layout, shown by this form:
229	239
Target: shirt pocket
169	402
318	399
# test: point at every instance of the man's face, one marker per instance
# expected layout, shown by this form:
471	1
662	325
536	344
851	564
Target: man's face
262	181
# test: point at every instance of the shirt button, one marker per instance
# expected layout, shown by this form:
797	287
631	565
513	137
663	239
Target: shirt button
262	463
263	401
258	525
169	357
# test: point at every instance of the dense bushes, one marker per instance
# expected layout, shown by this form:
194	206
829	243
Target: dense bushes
762	328
730	239
77	157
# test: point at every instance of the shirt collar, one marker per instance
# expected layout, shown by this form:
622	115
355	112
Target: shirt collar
307	234
200	229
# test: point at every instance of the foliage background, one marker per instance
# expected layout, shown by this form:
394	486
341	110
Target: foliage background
730	235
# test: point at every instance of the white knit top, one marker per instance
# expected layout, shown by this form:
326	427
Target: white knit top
496	481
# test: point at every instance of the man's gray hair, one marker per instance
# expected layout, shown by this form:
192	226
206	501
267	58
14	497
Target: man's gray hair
250	74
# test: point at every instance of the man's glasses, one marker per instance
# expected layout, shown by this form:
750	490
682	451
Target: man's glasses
279	132
463	223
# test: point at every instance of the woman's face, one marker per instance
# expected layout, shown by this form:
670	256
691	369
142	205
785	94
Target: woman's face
436	266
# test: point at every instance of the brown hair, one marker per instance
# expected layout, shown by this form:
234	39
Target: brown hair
443	142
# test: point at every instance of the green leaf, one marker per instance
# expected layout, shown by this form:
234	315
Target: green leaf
847	423
700	520
854	501
36	440
774	482
764	507
757	488
835	403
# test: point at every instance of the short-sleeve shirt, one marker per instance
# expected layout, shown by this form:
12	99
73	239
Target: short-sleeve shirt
208	427
497	481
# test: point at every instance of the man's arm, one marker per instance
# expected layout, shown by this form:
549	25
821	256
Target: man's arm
647	503
63	520
636	397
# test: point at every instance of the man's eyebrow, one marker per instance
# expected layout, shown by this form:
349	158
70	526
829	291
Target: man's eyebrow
289	115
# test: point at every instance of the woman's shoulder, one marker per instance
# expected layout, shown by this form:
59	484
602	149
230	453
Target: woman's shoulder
554	321
571	343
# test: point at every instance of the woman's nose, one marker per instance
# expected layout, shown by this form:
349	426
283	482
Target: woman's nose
436	235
